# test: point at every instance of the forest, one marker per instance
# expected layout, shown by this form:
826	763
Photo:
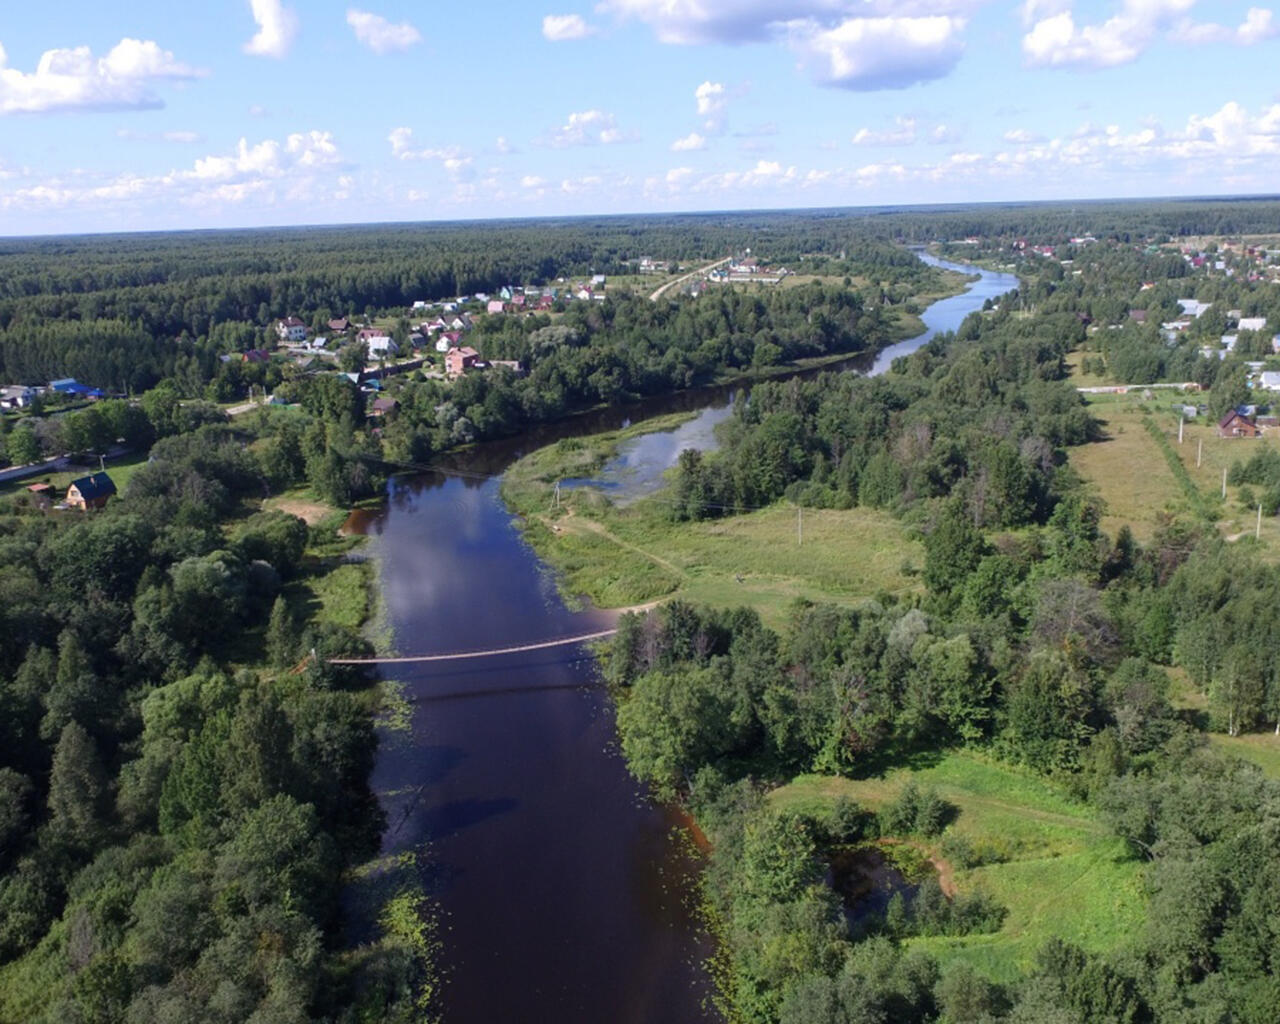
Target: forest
184	790
1038	642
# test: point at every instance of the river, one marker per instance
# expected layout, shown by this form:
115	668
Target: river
566	895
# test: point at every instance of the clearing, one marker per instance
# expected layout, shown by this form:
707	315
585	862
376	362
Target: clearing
1058	871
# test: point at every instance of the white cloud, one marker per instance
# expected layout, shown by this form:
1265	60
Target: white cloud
300	169
1022	137
712	99
503	146
380	35
1054	39
587	128
860	44
879	53
689	142
184	137
560	28
532	181
903	133
1258	26
277	29
74	79
454	159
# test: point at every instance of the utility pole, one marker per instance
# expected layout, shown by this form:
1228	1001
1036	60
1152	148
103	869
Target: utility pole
1199	451
1181	422
557	494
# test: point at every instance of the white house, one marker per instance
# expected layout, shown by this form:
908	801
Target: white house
291	330
1253	323
382	346
1193	307
494	306
1270	380
17	396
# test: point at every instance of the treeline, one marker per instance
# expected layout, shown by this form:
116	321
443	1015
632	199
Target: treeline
124	311
181	792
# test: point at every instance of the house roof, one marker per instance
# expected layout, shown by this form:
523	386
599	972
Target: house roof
95	485
292	321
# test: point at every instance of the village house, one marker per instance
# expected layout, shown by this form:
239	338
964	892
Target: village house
339	325
1269	380
1252	323
380	347
1233	424
291	330
90	492
459	360
16	396
495	306
383	407
257	356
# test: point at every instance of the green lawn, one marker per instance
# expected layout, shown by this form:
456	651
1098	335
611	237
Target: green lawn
1061	872
121	472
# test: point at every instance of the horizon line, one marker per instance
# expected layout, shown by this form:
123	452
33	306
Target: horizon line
443	222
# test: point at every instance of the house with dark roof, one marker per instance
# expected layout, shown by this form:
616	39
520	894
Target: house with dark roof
1234	424
92	491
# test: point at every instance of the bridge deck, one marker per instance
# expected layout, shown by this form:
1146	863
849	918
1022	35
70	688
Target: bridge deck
542	645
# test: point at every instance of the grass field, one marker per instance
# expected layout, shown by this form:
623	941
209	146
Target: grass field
1062	874
622	557
1130	472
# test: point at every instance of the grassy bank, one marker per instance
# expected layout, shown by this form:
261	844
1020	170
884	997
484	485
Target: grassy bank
1044	857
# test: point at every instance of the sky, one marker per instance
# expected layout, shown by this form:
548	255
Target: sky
156	115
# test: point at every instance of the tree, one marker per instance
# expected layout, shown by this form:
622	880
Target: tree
952	549
22	446
282	634
77	789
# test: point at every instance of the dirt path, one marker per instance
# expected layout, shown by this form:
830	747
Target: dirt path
575	522
946	873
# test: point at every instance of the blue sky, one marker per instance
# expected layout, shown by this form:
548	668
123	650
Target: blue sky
221	113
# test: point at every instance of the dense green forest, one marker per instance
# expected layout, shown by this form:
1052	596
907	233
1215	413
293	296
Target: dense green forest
182	791
1038	641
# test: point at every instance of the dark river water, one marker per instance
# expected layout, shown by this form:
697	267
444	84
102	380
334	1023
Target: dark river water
566	895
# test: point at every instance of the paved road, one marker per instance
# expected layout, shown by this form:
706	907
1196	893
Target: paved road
680	280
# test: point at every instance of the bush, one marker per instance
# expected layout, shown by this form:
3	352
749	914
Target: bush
916	812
